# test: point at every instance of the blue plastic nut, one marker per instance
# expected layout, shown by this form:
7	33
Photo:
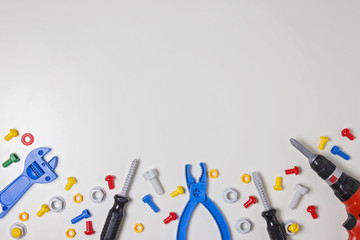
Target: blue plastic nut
84	214
336	151
147	199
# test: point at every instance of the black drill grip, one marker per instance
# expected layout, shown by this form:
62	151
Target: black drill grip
114	218
274	228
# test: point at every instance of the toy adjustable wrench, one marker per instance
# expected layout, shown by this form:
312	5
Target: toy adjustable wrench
346	188
36	170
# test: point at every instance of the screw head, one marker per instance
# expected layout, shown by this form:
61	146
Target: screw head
252	199
172	215
335	149
310	208
152	173
147	198
324	139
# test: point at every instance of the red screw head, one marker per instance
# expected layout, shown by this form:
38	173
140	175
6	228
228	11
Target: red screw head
312	210
346	133
172	216
110	180
252	200
294	170
89	228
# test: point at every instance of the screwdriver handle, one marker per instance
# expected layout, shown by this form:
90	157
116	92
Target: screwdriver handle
274	228
114	218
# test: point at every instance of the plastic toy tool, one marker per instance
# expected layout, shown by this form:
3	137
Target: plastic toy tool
274	227
346	188
197	193
36	170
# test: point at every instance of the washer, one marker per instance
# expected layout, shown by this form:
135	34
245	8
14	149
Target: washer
97	194
27	135
243	225
230	195
57	204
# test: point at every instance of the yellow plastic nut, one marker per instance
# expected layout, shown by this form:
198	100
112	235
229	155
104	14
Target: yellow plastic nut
245	178
23	216
77	198
44	209
179	190
70	233
70	181
138	227
294	228
323	140
277	186
213	173
12	133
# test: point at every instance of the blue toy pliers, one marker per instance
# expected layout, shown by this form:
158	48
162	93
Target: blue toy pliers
197	193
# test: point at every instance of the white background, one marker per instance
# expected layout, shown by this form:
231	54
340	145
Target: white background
175	82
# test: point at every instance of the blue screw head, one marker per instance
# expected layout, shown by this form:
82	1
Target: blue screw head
147	198
335	150
86	213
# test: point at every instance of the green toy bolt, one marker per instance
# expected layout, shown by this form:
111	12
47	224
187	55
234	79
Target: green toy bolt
13	159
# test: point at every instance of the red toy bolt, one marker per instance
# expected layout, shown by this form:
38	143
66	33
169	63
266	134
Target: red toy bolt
252	200
172	216
110	180
89	228
311	209
294	170
346	133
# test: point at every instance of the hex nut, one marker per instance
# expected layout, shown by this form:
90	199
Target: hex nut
243	225
70	233
57	204
97	194
213	173
287	224
20	226
23	216
230	195
78	198
138	227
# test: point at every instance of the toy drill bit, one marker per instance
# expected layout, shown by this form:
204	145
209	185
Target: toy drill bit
274	227
116	213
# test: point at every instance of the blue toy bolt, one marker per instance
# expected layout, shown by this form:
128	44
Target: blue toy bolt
84	214
147	199
336	151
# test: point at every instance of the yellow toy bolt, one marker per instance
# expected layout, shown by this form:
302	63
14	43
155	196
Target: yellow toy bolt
44	209
179	190
71	181
277	186
11	134
323	140
293	228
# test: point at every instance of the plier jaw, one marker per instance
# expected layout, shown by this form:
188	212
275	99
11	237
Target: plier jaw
190	180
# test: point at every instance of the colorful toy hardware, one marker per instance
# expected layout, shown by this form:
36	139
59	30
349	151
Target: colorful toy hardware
147	199
44	209
312	210
23	216
197	192
172	217
291	227
299	192
294	170
89	228
85	214
27	139
17	230
151	176
245	178
36	170
57	204
78	198
346	133
110	181
12	133
336	151
323	141
179	190
277	186
13	159
138	227
97	194
243	225
213	173
70	233
70	181
248	203
230	195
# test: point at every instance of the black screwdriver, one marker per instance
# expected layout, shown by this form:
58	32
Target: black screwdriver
116	213
274	228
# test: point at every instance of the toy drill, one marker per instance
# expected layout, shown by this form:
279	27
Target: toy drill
346	188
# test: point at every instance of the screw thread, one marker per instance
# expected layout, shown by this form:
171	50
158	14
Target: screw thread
153	206
295	201
157	186
343	155
77	219
7	163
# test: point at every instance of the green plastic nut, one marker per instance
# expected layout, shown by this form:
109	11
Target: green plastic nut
13	159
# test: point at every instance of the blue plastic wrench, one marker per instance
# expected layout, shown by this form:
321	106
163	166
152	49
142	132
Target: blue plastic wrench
197	193
36	170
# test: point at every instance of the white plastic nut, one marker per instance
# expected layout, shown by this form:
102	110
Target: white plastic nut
243	225
57	204
97	194
20	226
230	195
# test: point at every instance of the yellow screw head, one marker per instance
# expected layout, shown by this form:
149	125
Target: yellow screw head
324	139
277	186
15	232
71	181
294	228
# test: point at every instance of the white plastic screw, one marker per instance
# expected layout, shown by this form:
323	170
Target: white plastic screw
300	191
151	175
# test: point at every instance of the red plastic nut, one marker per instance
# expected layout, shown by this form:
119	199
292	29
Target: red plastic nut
294	170
248	203
89	228
172	216
312	210
110	180
346	133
